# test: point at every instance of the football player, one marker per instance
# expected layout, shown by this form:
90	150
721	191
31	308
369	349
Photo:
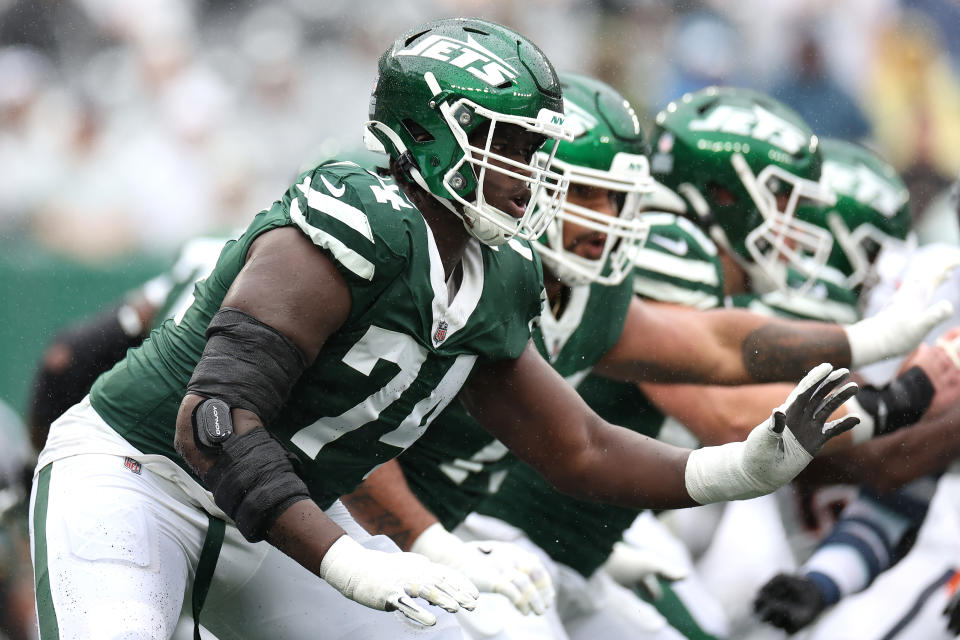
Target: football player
327	339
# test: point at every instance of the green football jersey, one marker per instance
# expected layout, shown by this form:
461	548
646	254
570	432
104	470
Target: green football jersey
398	360
825	300
679	265
457	464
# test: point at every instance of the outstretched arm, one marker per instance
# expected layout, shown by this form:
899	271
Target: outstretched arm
667	343
529	408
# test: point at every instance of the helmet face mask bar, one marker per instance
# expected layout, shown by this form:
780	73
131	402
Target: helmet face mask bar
624	234
547	188
605	157
781	240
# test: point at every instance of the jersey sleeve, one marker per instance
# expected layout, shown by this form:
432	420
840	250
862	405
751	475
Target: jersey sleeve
361	221
678	264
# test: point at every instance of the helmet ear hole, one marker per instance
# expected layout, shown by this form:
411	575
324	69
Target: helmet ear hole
417	131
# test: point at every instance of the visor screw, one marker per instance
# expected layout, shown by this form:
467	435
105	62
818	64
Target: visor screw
433	104
464	118
457	181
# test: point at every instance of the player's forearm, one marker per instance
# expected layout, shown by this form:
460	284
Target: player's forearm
305	533
781	350
384	504
622	467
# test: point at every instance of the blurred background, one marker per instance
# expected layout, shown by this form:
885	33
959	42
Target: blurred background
129	126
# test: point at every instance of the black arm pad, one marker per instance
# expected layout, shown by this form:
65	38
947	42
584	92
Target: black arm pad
247	364
900	403
254	481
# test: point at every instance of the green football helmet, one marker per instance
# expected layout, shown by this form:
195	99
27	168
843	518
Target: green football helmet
872	208
608	151
444	80
743	162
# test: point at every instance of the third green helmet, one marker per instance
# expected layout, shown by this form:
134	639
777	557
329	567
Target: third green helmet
743	162
872	207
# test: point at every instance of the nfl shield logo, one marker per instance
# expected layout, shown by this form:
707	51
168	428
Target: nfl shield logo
441	332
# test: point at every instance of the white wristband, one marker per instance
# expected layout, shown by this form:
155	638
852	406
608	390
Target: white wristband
865	429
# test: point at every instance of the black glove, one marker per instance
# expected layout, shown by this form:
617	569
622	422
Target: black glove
952	611
789	602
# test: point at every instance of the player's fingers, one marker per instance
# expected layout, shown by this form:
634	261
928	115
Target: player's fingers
833	403
837	427
510	591
405	604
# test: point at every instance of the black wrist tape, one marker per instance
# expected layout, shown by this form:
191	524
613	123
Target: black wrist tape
254	481
900	403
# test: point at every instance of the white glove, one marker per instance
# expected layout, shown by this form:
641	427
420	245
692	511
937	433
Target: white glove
630	565
390	581
777	449
494	567
897	329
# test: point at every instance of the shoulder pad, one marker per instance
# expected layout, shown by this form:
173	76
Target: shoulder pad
359	217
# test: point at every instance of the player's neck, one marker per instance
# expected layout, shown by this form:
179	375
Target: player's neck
448	232
557	293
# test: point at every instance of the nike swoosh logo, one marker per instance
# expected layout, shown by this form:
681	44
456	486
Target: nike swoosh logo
678	247
336	193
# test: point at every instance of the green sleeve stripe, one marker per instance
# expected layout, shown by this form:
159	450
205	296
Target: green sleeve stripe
46	614
666	292
692	270
345	213
346	256
826	310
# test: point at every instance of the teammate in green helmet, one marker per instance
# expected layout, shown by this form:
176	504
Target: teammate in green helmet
605	160
744	162
872	208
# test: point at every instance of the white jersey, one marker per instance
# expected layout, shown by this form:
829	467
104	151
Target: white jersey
896	266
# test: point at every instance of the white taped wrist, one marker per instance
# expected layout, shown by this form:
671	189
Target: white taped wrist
762	463
340	562
865	429
437	543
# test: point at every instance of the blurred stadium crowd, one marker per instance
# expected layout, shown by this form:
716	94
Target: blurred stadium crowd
130	126
133	125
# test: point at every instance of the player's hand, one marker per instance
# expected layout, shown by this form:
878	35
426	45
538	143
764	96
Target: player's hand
903	324
493	566
391	581
941	364
634	566
805	412
789	602
779	448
